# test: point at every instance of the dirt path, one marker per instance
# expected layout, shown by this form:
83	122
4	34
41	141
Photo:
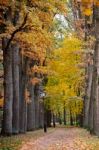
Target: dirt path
64	139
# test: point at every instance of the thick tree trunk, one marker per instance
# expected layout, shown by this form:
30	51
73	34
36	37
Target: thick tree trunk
90	113
59	117
15	119
31	110
96	99
48	118
96	71
94	109
87	97
41	115
8	90
36	93
23	103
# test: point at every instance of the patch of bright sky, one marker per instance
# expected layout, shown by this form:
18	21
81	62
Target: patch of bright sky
63	26
62	19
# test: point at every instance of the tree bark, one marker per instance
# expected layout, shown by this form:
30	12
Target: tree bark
36	106
23	103
54	124
8	90
41	115
87	97
71	119
60	120
94	110
15	66
31	110
96	99
49	118
64	115
45	117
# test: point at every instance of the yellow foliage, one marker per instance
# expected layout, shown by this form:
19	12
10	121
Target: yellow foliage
67	79
87	6
87	11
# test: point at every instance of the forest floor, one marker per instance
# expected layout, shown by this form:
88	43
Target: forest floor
60	138
64	139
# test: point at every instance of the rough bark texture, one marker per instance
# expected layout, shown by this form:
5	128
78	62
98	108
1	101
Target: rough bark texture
8	90
96	99
15	120
94	103
23	104
37	106
41	115
31	110
88	94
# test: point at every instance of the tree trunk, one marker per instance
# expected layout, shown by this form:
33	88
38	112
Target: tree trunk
36	92
8	90
23	103
54	124
90	114
45	118
88	94
31	110
71	119
64	115
15	119
41	115
48	118
60	120
96	99
94	109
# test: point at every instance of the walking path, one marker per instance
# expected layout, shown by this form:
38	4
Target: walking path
64	139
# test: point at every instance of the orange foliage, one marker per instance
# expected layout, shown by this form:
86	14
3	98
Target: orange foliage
1	102
36	37
35	81
4	2
27	96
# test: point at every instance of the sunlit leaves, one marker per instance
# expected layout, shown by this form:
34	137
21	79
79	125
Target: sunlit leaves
67	78
87	6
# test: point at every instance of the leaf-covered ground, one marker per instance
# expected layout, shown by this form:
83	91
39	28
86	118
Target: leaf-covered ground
56	139
64	139
16	141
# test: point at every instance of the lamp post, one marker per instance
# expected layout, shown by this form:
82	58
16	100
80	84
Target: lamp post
42	96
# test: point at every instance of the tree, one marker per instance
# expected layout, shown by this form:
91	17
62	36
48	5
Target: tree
27	25
65	81
90	11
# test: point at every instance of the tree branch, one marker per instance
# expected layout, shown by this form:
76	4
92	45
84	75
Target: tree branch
17	30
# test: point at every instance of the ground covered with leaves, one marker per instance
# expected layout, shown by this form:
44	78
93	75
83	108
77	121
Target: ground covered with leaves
56	139
15	142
